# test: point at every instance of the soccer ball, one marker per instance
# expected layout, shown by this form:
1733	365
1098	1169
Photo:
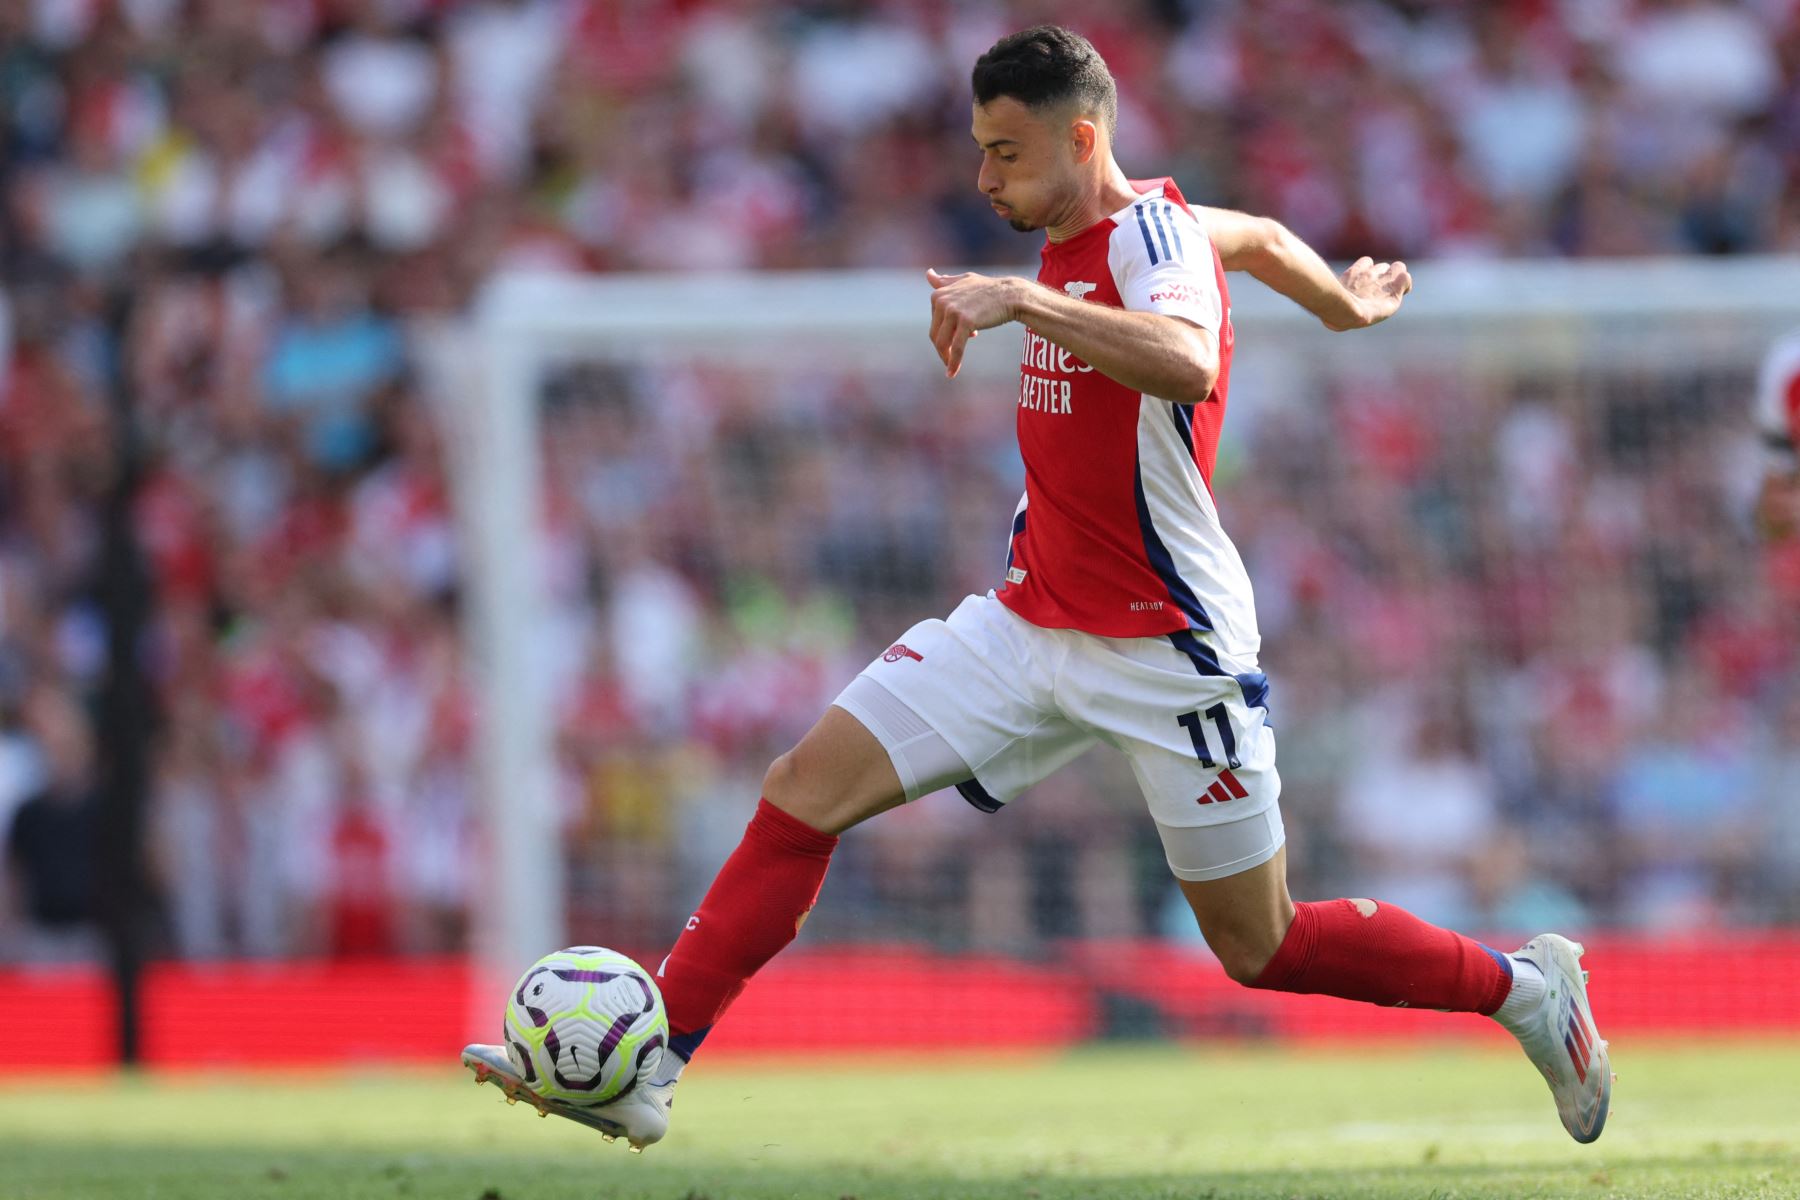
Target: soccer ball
585	1025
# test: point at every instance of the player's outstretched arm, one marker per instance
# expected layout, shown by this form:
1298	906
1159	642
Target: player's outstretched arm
1366	294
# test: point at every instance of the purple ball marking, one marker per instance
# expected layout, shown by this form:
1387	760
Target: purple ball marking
538	1016
576	975
620	1027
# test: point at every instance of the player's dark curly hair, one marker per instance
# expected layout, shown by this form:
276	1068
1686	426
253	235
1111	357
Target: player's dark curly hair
1047	65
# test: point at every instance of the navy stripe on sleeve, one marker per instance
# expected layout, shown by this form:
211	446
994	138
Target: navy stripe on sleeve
1174	229
1144	228
1156	216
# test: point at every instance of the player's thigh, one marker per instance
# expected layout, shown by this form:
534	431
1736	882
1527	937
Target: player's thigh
837	776
967	703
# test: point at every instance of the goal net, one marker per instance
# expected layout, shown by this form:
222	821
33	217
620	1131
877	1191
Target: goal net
1530	667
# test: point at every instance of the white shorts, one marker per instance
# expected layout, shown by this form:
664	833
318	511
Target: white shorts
1013	702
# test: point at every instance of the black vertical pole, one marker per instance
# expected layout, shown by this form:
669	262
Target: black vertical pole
124	711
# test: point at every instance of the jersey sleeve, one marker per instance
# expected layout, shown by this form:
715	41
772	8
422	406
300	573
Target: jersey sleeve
1778	405
1162	262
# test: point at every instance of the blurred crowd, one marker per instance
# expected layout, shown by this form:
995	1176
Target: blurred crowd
240	213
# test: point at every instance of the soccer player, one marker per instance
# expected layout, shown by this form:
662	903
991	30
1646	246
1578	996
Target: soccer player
1778	423
1123	617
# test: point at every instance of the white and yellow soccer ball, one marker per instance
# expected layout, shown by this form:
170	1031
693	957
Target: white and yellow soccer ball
585	1025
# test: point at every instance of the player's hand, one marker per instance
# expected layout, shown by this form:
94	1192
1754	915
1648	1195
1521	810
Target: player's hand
1378	288
962	306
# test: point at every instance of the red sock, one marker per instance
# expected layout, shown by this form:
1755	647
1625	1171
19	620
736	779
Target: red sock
1388	957
752	911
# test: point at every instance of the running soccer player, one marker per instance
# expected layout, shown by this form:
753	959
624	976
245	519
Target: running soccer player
1124	616
1778	424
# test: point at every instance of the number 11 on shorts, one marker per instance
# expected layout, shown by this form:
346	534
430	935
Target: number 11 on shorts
1190	721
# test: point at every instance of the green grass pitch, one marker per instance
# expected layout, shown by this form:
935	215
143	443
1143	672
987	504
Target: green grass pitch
1717	1119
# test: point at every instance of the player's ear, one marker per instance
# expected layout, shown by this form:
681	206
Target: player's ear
1084	137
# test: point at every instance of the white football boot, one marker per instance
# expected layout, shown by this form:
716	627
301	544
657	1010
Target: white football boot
1560	1039
640	1116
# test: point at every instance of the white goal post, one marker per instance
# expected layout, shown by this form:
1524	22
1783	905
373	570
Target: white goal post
1512	315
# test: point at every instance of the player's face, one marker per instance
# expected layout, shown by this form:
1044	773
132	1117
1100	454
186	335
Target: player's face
1027	168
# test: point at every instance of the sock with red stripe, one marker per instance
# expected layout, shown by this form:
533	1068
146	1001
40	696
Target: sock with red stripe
754	908
1362	950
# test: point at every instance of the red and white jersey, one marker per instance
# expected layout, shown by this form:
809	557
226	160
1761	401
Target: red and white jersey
1778	404
1117	534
